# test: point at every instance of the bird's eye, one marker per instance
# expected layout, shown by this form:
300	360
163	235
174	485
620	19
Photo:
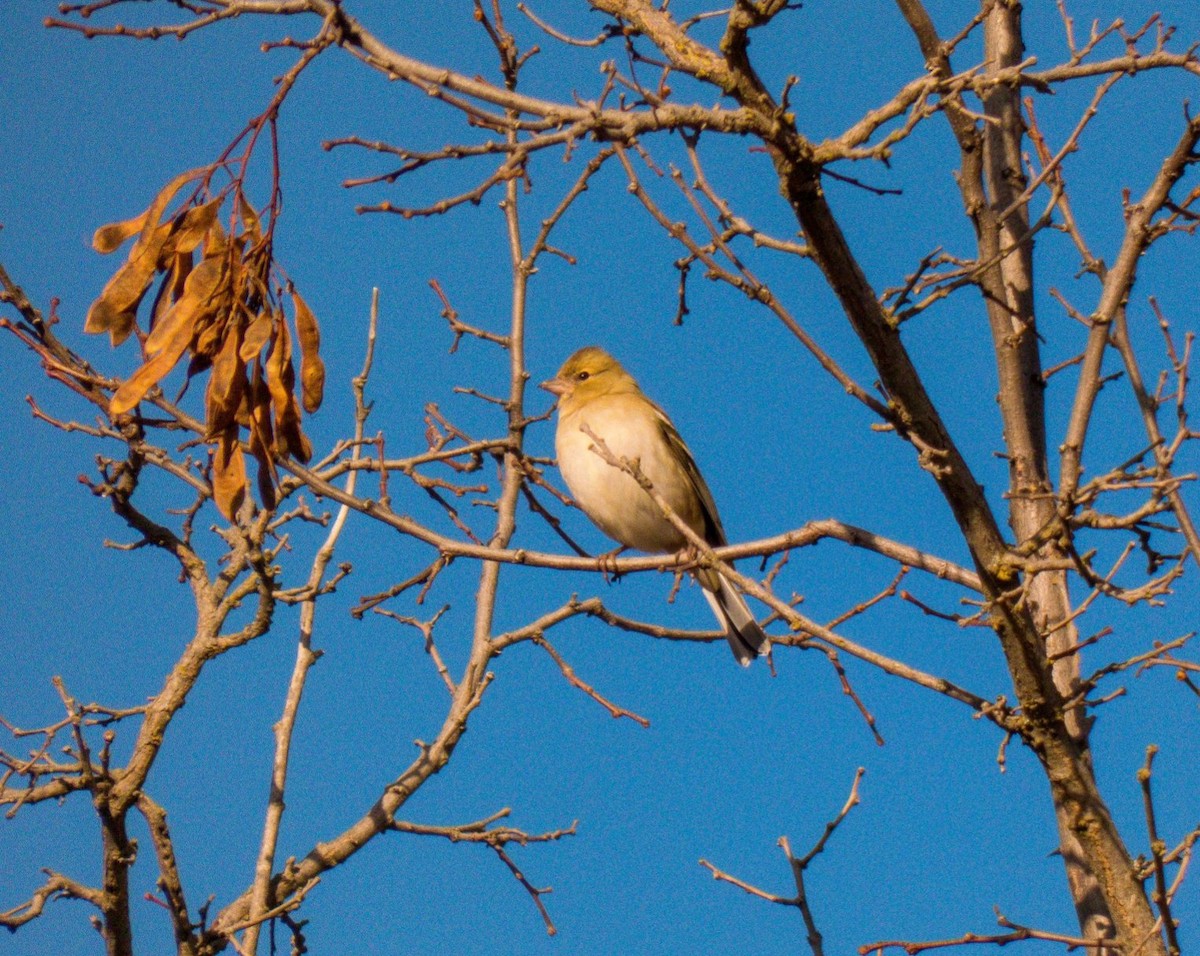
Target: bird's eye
583	376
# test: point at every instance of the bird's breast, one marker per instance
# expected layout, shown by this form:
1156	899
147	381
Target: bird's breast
611	497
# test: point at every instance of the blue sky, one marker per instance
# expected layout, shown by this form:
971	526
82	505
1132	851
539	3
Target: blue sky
732	759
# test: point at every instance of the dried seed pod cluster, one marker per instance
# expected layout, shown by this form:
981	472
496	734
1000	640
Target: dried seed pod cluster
222	313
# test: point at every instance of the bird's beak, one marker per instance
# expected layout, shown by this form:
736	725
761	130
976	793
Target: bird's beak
556	386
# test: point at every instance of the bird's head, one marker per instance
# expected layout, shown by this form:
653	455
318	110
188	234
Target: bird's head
589	373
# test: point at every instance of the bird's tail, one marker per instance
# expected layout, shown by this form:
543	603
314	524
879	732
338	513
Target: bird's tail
746	639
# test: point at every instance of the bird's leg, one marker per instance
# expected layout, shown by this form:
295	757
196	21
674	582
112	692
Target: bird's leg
607	563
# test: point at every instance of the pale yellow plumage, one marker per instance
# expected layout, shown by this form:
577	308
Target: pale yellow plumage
595	393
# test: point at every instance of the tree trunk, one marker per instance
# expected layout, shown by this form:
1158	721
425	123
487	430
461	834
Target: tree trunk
1043	724
1008	294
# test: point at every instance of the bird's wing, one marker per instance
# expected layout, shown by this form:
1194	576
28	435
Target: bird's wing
714	534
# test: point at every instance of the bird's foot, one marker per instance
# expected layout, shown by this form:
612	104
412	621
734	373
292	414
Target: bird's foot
690	557
607	563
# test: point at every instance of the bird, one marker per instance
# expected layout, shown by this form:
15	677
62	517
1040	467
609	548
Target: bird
597	396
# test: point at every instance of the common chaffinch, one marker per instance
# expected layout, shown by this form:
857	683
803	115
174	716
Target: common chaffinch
595	393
